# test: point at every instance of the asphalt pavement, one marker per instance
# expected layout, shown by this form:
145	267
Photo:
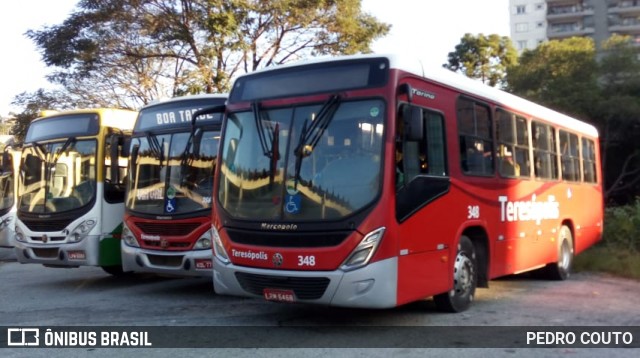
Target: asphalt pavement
7	255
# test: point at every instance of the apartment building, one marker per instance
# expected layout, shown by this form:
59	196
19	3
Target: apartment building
536	21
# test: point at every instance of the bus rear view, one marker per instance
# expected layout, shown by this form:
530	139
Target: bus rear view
350	182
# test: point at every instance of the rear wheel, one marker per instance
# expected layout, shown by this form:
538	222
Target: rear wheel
465	279
561	269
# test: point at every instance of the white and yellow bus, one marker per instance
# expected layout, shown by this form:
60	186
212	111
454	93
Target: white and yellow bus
8	195
71	186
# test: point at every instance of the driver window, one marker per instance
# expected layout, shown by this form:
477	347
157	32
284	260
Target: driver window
424	157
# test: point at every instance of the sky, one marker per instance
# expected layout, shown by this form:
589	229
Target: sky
425	29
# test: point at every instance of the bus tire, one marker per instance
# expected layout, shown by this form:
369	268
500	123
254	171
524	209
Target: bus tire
561	269
465	280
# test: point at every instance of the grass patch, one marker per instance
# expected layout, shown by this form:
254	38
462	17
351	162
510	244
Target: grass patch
616	261
619	251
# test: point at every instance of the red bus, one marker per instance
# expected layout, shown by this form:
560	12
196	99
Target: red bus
368	182
167	216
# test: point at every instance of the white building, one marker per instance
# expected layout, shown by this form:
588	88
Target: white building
536	21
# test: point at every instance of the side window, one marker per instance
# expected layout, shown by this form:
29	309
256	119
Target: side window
512	135
544	151
589	160
476	143
569	156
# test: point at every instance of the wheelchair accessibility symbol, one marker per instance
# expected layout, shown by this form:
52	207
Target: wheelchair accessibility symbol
293	203
170	205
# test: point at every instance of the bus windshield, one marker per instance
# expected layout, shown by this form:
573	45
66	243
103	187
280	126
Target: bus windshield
277	164
58	176
165	180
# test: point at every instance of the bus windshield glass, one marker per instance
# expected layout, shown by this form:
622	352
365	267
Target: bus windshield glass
276	164
168	178
58	176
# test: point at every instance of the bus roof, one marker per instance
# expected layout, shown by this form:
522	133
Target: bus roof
465	85
111	117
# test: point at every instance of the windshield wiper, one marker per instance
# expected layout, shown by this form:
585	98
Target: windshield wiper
71	141
310	136
195	137
155	147
269	145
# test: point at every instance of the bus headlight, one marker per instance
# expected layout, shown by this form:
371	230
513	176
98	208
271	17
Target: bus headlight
128	238
82	230
361	255
218	248
204	242
6	222
19	235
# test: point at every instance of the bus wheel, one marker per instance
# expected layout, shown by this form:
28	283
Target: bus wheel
115	270
561	269
465	279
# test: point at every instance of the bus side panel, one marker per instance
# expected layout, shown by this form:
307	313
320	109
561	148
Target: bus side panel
422	275
111	233
426	243
589	213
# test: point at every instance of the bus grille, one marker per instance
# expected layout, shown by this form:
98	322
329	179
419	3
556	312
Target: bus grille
160	260
46	253
305	288
288	239
167	228
46	225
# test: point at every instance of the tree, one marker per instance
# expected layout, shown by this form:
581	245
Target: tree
561	74
566	75
618	117
125	53
483	57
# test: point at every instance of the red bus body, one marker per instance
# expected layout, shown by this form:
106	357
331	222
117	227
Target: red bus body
513	223
167	218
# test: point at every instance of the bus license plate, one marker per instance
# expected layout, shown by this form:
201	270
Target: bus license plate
271	294
76	255
204	264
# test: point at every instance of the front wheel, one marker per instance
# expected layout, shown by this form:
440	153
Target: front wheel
561	269
465	279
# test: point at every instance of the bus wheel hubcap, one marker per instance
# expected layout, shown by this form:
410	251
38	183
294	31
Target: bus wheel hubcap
463	274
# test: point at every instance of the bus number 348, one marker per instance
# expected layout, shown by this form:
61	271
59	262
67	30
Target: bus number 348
474	212
306	260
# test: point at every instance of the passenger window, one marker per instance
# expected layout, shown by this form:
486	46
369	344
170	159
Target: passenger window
512	135
476	143
569	156
544	151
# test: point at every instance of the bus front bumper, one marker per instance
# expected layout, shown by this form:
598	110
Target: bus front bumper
196	263
372	286
83	253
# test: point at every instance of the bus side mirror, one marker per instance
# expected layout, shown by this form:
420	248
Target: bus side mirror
6	165
414	125
126	147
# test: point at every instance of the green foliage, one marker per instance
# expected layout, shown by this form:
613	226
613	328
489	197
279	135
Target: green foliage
622	227
129	52
559	74
619	251
483	57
